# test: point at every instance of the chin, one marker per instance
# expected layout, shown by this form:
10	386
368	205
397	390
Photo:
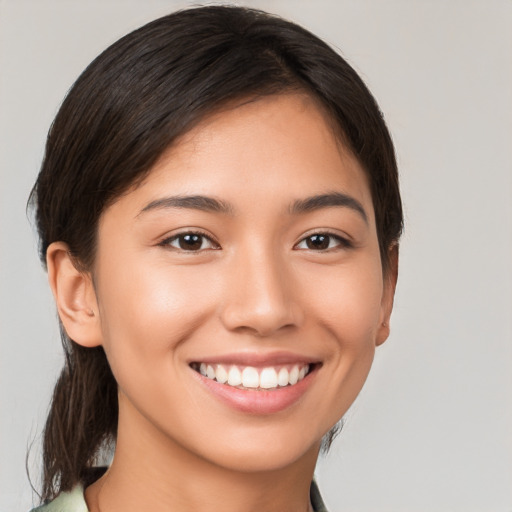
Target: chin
272	457
270	449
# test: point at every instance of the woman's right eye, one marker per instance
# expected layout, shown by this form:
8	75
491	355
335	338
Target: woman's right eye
190	242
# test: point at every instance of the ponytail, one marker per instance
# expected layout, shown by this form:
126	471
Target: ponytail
82	421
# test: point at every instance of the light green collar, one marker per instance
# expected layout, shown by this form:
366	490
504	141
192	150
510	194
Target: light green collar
72	501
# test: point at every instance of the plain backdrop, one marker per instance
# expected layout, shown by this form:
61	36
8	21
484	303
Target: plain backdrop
432	429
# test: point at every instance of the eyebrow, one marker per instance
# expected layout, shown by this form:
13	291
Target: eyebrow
336	199
210	204
196	202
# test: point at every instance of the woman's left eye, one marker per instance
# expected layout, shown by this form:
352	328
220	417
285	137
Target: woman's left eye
323	242
190	242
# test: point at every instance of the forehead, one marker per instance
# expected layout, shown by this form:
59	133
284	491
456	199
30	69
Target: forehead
278	148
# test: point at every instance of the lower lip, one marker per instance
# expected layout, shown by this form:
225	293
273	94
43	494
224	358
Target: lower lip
255	401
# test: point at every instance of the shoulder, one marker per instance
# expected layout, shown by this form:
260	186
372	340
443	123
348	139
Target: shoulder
72	501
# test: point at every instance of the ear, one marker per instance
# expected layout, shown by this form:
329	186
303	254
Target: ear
388	295
74	295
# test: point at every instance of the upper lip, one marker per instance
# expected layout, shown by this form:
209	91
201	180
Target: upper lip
257	359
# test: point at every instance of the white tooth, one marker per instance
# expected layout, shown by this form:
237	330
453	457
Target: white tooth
202	369
210	372
283	376
302	372
268	378
234	376
221	375
250	377
294	375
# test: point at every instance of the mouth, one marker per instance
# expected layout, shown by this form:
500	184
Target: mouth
253	378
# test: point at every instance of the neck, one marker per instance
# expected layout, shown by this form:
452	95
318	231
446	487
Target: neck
152	472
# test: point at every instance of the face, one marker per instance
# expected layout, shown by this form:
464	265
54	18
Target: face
240	288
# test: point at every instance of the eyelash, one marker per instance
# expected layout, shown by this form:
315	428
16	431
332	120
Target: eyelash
341	242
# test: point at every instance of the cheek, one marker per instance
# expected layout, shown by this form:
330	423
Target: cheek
147	311
348	302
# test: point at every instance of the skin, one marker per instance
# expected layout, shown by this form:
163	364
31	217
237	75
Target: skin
258	287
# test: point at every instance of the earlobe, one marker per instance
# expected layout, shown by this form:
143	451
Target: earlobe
74	295
388	296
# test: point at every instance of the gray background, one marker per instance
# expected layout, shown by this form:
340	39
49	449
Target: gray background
432	429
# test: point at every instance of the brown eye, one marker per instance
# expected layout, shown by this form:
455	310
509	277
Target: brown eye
323	242
190	242
318	242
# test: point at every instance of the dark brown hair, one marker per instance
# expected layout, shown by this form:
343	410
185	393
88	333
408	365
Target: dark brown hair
123	112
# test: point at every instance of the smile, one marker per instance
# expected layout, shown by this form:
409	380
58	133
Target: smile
249	377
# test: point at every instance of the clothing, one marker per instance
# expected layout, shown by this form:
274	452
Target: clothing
74	501
316	498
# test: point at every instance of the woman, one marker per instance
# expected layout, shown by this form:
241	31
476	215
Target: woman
219	213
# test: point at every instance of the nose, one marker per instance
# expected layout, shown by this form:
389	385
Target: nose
260	295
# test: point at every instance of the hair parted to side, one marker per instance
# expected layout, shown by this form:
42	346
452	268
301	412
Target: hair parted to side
129	105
